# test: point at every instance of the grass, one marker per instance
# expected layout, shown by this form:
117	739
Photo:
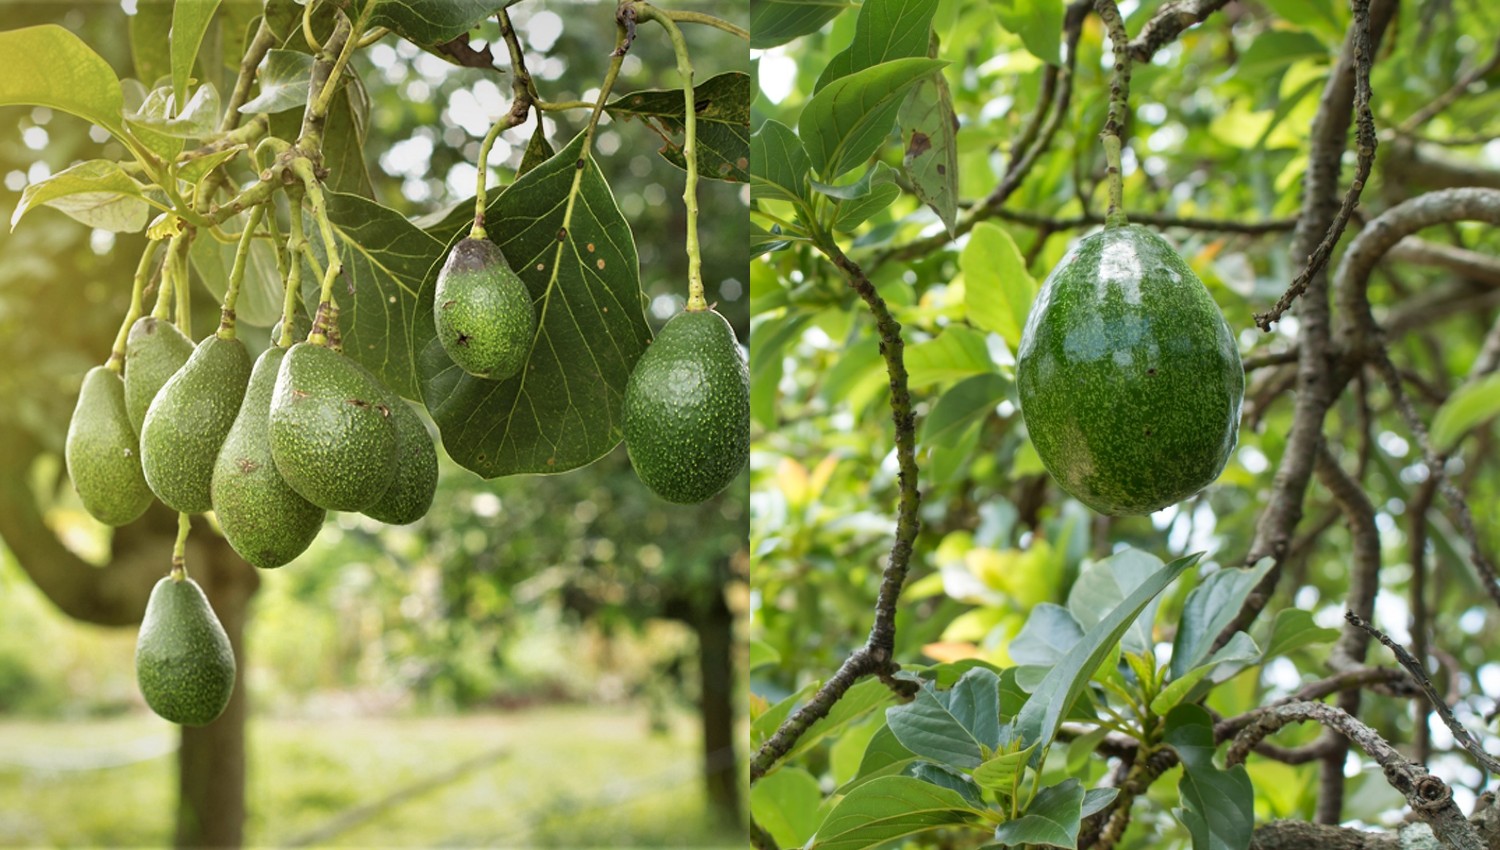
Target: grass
565	777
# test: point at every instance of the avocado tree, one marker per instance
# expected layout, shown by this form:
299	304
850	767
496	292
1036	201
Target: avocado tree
230	159
1096	352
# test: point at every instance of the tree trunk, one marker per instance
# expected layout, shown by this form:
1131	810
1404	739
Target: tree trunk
721	774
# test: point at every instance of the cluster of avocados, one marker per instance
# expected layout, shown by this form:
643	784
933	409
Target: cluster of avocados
269	447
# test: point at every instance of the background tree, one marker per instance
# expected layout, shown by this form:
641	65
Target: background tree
1292	151
405	129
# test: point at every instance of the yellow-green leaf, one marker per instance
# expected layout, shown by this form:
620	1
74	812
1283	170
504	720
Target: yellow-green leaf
50	66
998	289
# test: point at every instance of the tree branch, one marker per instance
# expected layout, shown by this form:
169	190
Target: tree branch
1168	23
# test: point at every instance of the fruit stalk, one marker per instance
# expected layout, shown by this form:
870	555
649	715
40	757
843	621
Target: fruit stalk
523	96
163	307
1119	98
116	362
237	274
304	170
696	300
179	549
294	240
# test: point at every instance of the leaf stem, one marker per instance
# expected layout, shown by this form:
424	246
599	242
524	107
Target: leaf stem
237	274
696	302
1119	100
116	362
685	17
179	549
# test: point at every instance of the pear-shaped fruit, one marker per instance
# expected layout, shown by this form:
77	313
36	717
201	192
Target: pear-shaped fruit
331	431
410	494
102	452
262	517
188	420
1129	379
687	409
484	315
183	662
154	350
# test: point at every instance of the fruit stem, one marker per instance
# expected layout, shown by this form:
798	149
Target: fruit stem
116	362
303	169
646	11
177	256
237	274
684	17
179	549
1119	99
294	241
523	96
163	307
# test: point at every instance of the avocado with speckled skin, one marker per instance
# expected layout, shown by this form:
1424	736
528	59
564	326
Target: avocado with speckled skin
183	662
103	454
263	518
188	420
410	494
687	409
1129	379
332	438
154	350
484	315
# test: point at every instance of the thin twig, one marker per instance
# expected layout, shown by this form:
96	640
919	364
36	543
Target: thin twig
1459	88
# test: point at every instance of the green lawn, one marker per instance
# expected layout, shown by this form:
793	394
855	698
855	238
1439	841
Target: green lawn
568	777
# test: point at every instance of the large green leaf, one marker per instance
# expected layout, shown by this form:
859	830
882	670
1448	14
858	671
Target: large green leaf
1103	585
565	237
1039	23
1218	806
889	808
853	706
778	164
958	352
971	400
1052	819
998	289
190	20
774	22
884	30
1211	606
958	727
261	290
846	122
1474	403
1049	703
786	803
722	104
151	53
50	66
929	144
283	78
429	23
98	193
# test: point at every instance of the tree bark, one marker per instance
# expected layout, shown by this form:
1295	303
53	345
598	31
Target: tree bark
716	665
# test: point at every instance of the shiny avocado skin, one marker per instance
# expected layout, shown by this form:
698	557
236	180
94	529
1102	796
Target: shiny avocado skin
1129	379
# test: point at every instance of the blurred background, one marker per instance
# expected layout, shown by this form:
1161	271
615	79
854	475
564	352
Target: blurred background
542	661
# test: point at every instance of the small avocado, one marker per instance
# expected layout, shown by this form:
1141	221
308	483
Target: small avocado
410	494
183	662
1129	378
154	350
262	517
687	409
484	315
332	437
188	421
103	454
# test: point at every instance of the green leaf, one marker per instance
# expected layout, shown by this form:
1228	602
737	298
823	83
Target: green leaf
197	118
778	164
855	705
564	235
428	23
1218	806
1049	703
765	725
1052	819
946	777
884	756
889	808
1273	50
1049	634
150	53
1473	403
1211	606
722	104
771	336
763	241
1103	585
1039	23
1177	689
50	66
190	19
958	727
774	22
98	193
786	804
880	190
884	30
262	289
1000	772
762	654
284	78
958	352
537	150
971	400
929	141
1097	798
197	168
998	290
846	122
1294	629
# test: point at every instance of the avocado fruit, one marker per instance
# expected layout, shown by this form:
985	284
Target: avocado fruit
263	518
188	420
484	315
1129	379
154	350
102	452
411	492
332	438
687	409
183	662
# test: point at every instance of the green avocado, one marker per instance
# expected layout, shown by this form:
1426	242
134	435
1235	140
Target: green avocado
484	315
188	421
1129	378
103	454
687	409
410	494
262	517
183	662
332	437
154	350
